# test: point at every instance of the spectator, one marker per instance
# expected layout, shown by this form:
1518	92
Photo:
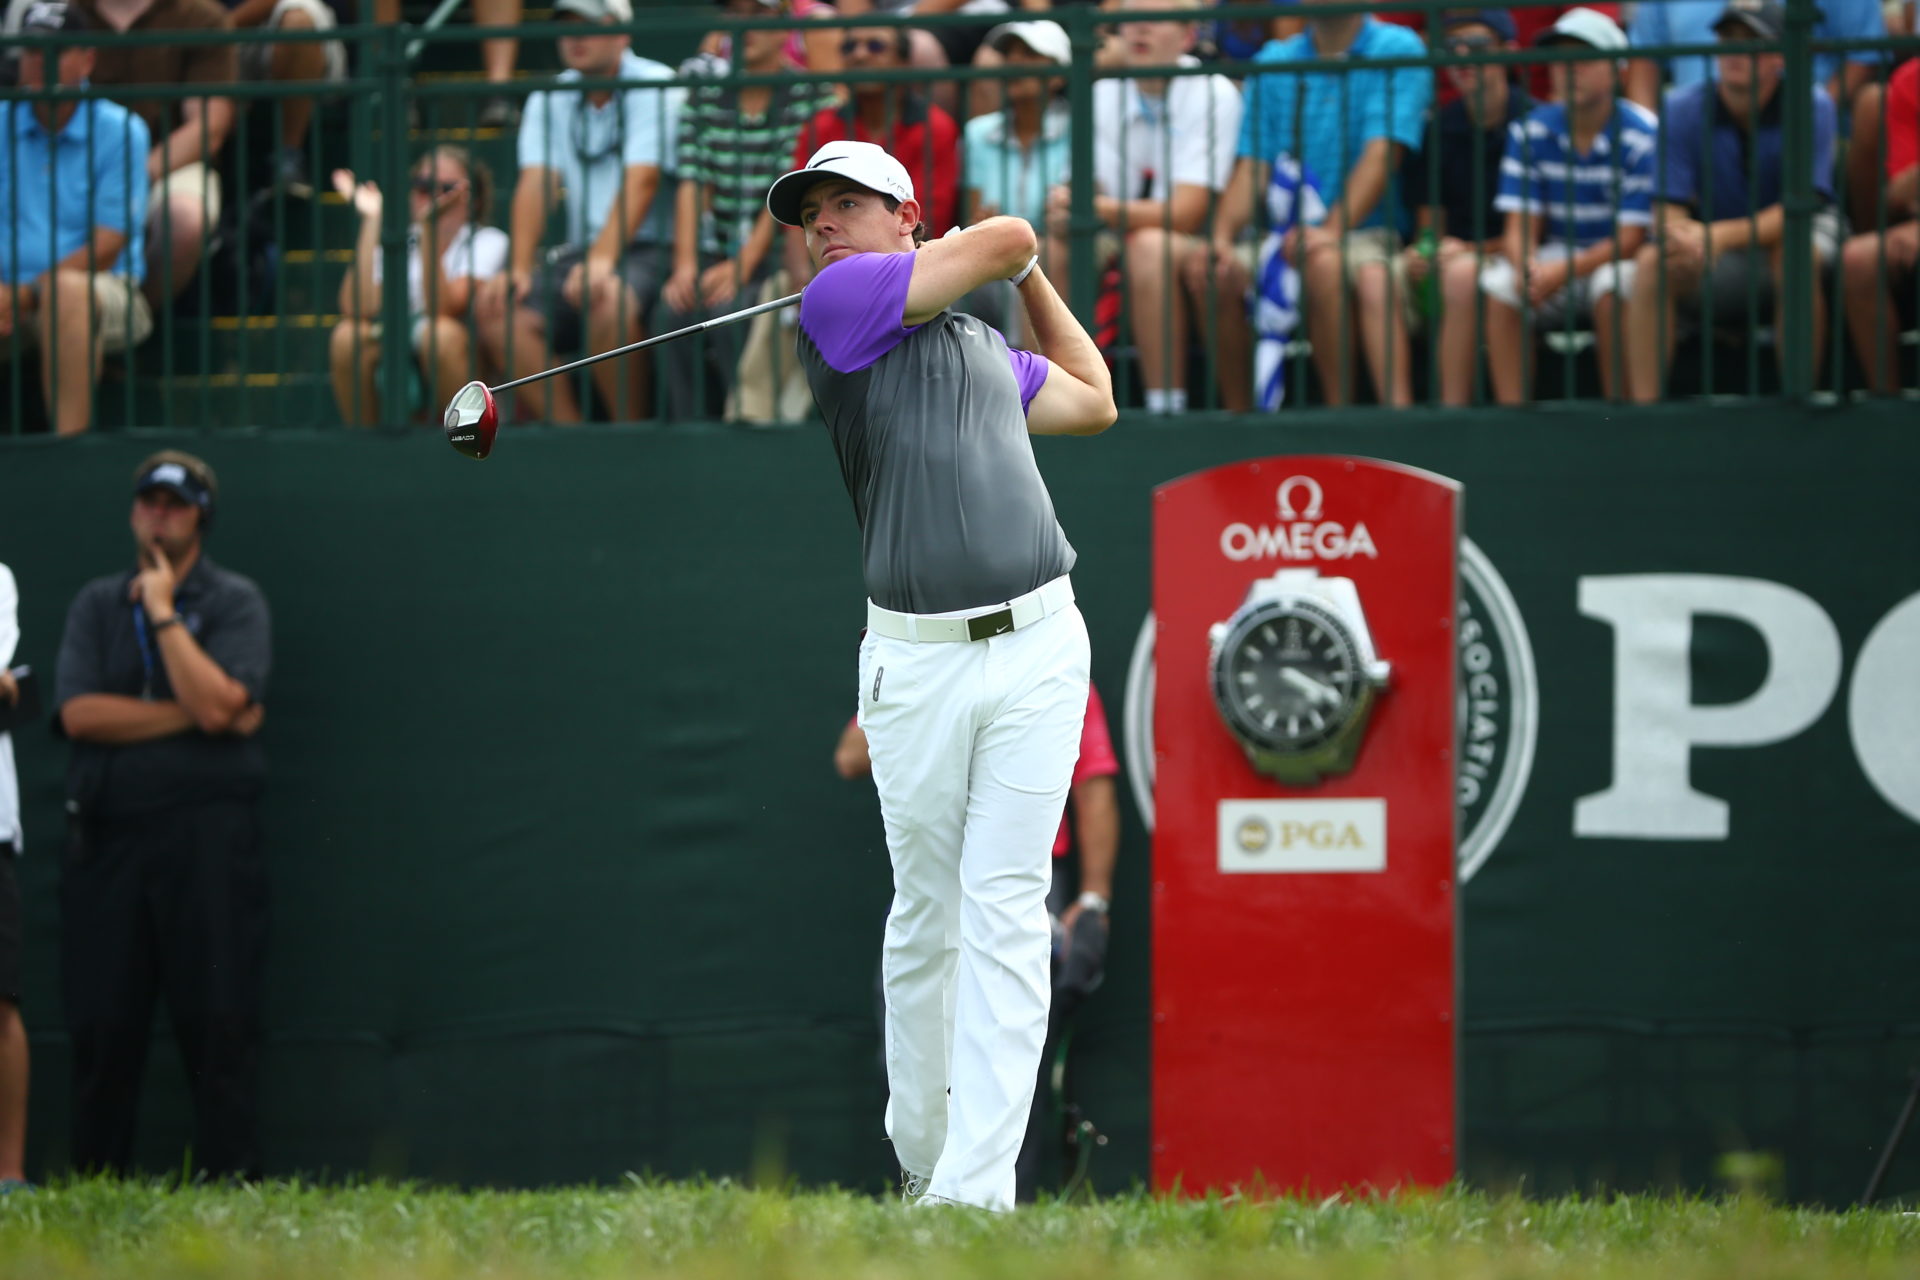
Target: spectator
733	142
447	204
1670	22
73	188
1877	262
186	134
13	1034
304	61
922	48
921	135
815	48
1162	150
1580	172
163	888
608	155
1451	184
1349	129
1016	154
1092	822
1719	222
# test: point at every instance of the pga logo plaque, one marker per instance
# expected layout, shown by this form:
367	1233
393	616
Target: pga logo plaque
1305	722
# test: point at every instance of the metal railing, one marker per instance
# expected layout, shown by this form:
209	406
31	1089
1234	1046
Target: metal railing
273	328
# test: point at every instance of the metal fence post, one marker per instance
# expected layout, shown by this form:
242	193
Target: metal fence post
1795	326
1083	271
390	170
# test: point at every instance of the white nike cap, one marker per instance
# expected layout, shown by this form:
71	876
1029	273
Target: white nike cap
860	162
1585	26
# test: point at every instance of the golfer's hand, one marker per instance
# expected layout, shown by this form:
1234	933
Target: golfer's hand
153	586
720	283
682	289
9	688
248	722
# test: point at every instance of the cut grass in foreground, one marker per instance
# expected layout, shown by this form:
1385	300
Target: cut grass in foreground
719	1231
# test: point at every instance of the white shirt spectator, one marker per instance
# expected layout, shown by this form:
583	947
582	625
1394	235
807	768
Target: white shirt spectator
592	147
1143	146
9	783
478	252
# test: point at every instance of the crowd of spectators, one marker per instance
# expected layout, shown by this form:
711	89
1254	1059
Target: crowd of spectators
1421	223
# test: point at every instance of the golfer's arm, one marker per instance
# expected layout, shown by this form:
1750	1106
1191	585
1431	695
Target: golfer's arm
946	270
527	219
642	182
1077	397
113	719
1096	825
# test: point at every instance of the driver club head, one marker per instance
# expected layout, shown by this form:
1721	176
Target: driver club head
471	419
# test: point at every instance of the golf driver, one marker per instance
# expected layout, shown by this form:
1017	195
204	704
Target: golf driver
472	417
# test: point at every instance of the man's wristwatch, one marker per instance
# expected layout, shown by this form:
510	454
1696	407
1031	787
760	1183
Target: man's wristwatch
1091	901
1295	674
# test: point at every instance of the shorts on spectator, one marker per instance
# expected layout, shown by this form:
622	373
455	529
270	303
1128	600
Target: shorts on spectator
10	926
1738	286
121	317
195	180
1500	280
643	266
256	59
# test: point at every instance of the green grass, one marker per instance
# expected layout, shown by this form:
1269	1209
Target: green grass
721	1231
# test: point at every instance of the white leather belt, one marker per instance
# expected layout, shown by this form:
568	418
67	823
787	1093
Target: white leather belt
1022	611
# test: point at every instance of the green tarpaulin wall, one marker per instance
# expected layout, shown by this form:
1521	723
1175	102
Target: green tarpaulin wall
565	884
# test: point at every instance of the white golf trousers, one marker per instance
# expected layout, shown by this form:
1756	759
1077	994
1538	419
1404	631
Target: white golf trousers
973	747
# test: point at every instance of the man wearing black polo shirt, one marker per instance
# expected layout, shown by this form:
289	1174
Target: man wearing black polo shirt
163	891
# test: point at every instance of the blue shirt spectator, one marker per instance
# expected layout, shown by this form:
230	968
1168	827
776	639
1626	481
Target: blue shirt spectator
1325	119
591	147
1712	164
98	168
1664	22
1581	198
1013	180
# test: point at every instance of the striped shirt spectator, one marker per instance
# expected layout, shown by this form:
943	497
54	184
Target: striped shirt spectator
1581	198
738	154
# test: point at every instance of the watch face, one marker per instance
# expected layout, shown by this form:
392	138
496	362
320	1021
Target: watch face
1287	676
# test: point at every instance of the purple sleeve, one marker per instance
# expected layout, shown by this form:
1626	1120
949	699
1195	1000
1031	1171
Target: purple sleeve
853	310
1030	371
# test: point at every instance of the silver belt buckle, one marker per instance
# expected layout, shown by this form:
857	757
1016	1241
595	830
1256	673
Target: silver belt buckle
987	625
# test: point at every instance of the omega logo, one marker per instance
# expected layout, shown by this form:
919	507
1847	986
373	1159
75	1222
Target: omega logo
1299	533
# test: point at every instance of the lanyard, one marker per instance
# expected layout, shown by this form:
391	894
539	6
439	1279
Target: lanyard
144	634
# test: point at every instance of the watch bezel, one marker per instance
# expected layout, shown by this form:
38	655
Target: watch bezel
1249	619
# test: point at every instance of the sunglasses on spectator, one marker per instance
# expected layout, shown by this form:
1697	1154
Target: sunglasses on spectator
428	187
872	44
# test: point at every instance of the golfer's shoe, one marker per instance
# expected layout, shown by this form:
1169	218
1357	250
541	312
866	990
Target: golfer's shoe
937	1202
913	1186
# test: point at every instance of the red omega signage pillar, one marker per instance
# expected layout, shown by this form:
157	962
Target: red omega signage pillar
1305	973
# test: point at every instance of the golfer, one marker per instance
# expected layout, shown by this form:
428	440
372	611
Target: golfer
973	670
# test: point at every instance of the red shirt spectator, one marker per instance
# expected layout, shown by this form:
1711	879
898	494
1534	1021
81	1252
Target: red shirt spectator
1096	759
923	138
1903	120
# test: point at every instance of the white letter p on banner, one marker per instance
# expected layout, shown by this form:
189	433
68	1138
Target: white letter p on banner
1655	721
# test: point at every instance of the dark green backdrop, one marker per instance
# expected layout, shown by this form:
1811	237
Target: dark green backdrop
565	884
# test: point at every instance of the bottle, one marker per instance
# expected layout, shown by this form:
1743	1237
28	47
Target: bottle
1427	296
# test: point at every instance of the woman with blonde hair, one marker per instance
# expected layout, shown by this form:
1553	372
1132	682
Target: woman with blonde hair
448	200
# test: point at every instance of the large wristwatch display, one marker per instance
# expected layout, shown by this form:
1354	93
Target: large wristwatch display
1294	675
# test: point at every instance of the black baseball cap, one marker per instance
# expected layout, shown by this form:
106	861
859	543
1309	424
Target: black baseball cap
53	15
182	475
1765	18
